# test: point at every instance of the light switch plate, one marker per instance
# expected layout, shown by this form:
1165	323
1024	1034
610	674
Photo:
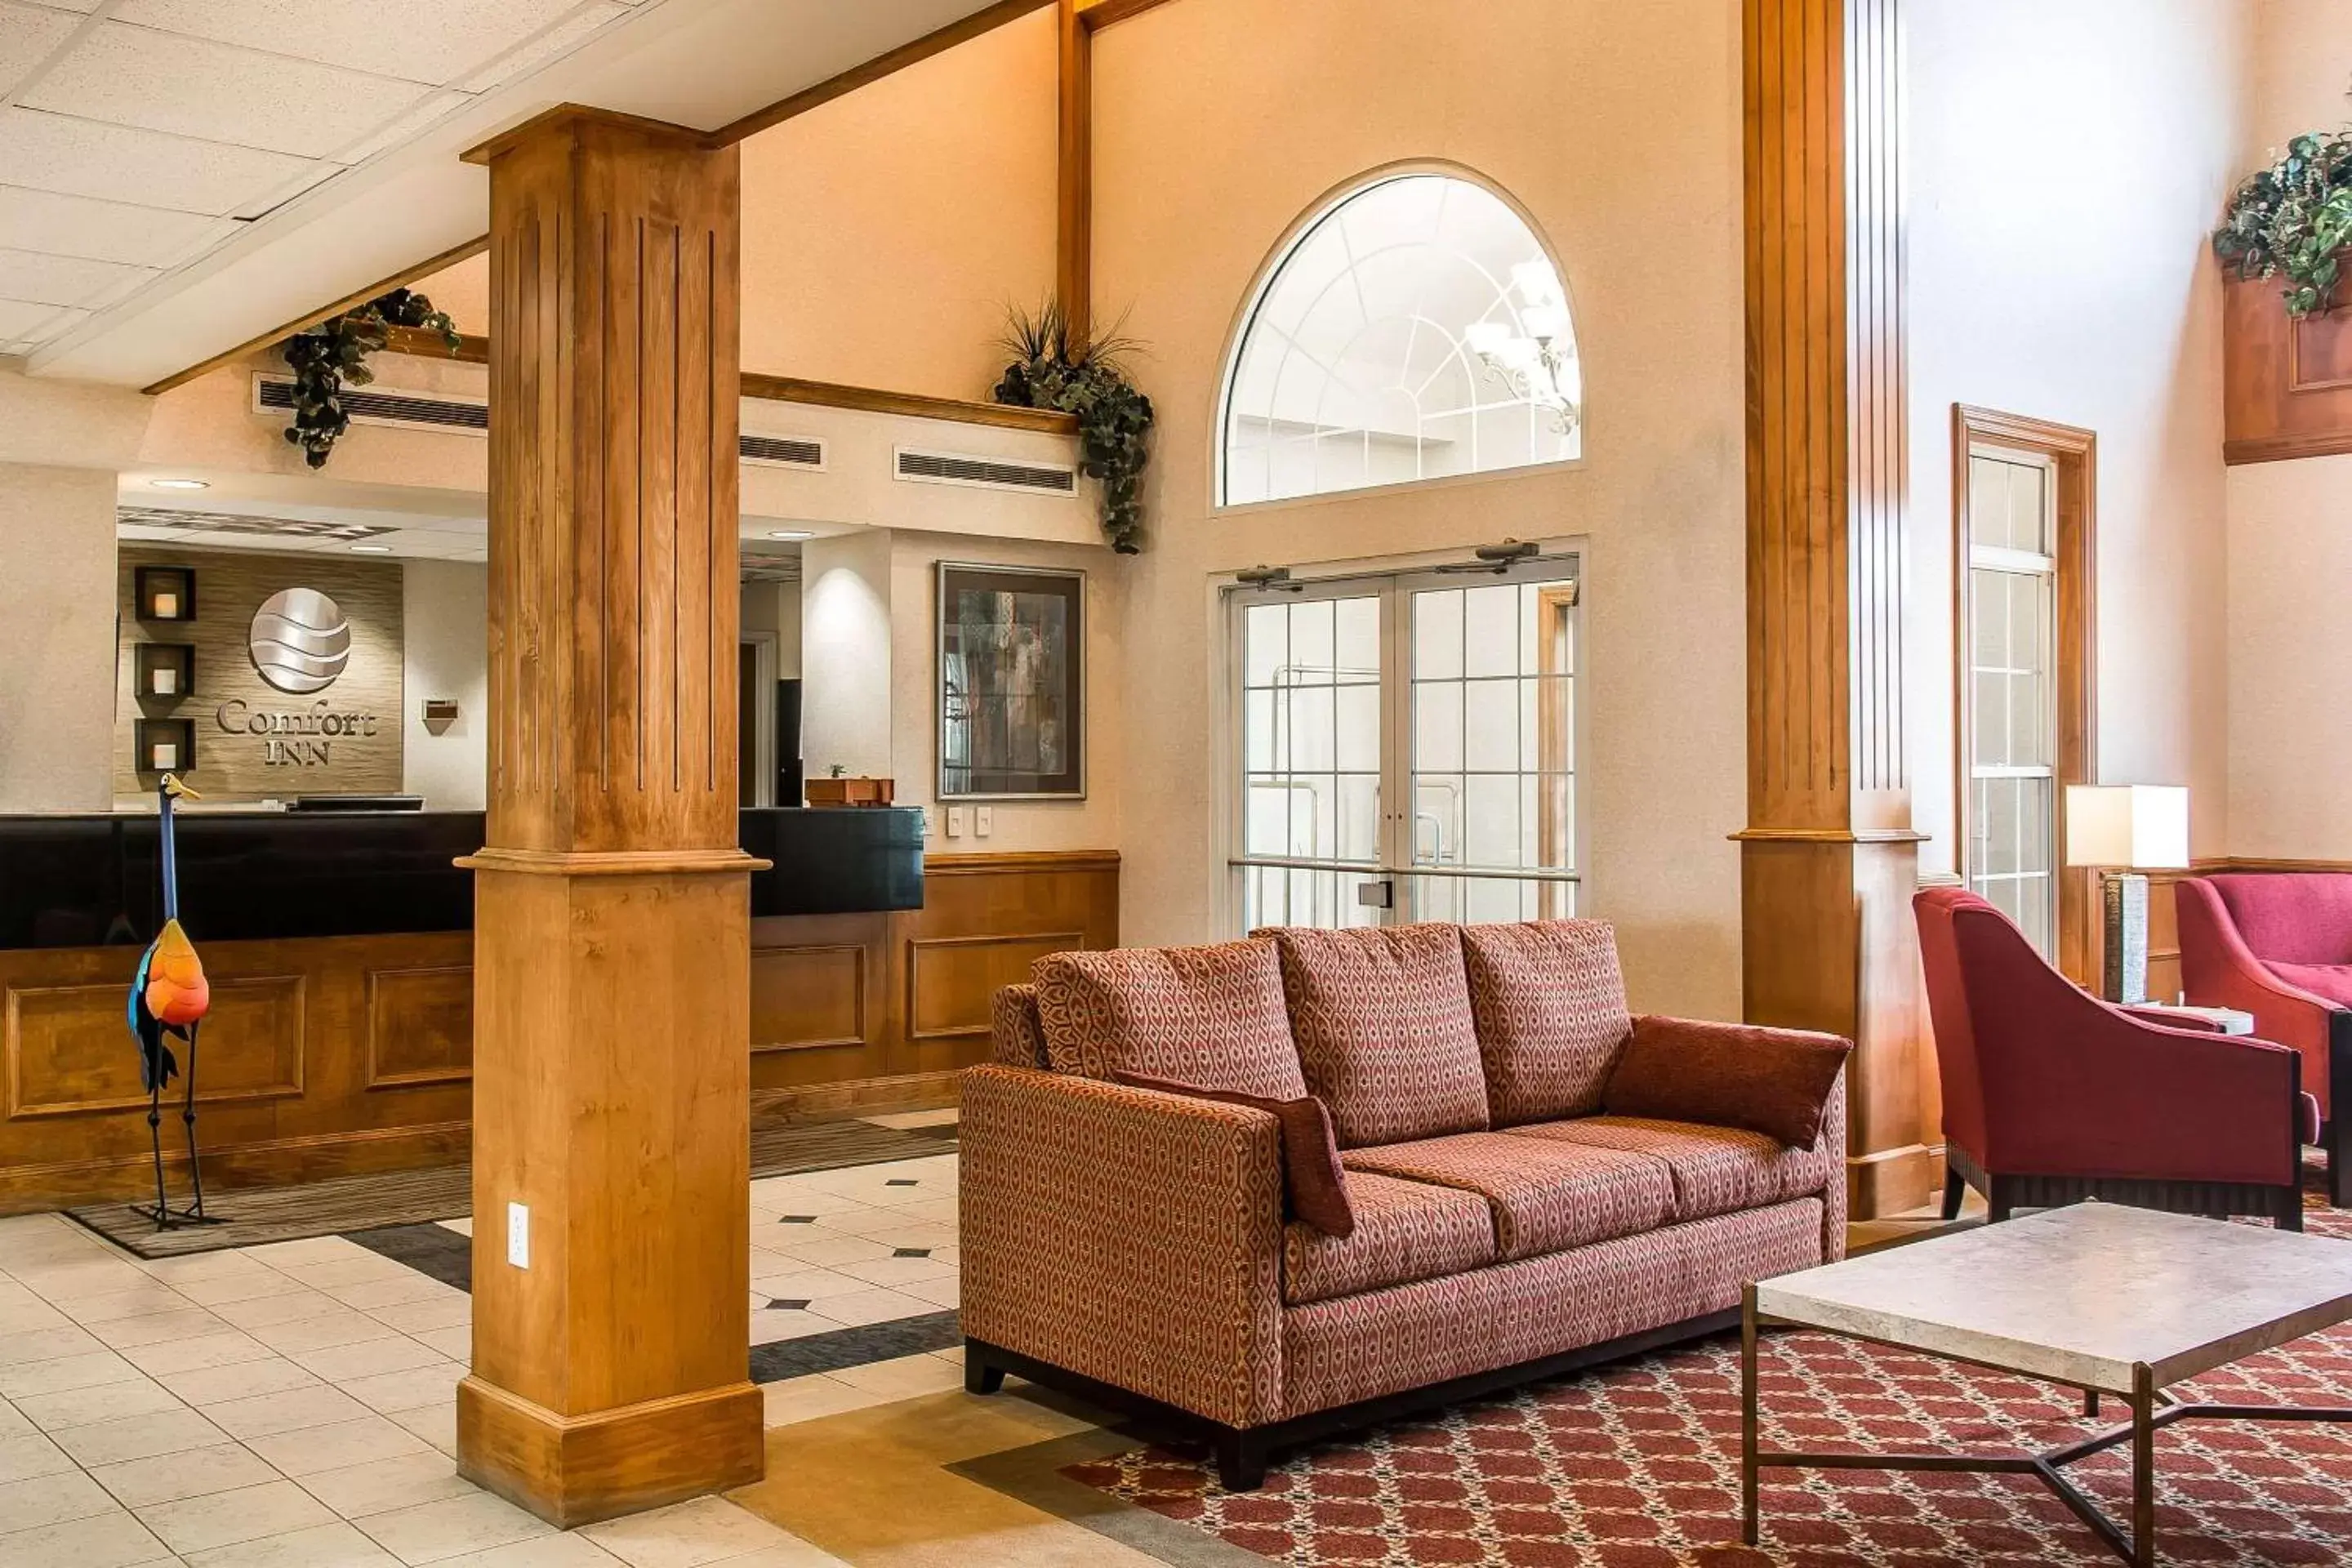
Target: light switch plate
519	1235
955	822
984	820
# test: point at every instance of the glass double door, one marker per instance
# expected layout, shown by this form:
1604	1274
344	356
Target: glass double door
1407	749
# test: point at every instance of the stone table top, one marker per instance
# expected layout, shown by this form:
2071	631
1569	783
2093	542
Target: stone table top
2081	1295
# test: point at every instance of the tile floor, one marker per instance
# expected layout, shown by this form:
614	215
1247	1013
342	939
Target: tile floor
294	1405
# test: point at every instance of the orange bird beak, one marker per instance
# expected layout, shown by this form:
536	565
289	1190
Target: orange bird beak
177	992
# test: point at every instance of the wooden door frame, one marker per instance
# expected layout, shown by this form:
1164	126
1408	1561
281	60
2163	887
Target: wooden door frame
2073	456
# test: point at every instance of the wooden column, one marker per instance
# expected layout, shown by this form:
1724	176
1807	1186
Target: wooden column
611	982
1829	860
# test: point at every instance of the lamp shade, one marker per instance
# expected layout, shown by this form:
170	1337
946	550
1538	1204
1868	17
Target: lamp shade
2142	826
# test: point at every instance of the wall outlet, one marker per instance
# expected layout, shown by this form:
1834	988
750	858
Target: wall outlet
984	820
519	1235
955	822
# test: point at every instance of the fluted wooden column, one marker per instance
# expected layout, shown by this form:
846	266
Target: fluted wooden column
611	992
1829	860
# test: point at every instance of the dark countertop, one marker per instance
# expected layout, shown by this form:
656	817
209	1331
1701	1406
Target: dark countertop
91	880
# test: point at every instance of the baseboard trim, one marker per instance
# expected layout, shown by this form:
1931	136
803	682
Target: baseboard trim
1890	1181
284	1161
858	1097
572	1470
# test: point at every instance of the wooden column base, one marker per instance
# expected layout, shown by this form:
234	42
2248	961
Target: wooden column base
577	1469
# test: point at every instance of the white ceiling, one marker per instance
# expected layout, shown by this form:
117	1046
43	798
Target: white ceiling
136	135
178	176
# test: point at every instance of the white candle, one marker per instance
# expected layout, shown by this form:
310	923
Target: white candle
167	604
167	679
166	756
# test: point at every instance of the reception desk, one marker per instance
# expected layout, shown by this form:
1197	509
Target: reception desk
339	948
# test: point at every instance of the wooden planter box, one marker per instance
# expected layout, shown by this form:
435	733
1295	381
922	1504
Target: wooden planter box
849	792
2286	384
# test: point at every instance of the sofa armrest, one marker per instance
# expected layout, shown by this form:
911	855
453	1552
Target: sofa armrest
1130	1236
2172	1018
2219	970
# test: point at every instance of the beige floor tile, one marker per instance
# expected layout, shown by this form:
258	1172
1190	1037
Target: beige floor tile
159	1328
855	1222
905	1377
264	1310
435	1424
370	1294
223	1349
435	1532
780	1195
22	1316
806	1284
223	1467
933	1237
947	1292
230	1288
435	1312
245	1379
368	1358
27	1378
894	1273
138	1438
453	1344
932	1210
359	1266
337	1545
828	1251
770	1327
13	1423
45	1344
380	1485
540	1552
904	1121
102	1540
415	1388
794	1553
288	1411
307	1450
870	1307
147	1297
29	1454
225	1519
102	1402
797	1399
315	1250
50	1499
220	1265
340	1326
686	1535
96	1275
461	1226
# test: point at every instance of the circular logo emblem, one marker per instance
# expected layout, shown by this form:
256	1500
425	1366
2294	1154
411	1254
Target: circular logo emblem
300	641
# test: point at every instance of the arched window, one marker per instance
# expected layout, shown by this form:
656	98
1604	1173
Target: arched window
1415	328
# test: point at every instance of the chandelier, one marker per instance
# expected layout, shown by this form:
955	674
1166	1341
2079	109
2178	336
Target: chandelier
1536	358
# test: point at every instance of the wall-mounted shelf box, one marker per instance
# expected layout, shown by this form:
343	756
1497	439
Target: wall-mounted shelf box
164	671
165	745
165	593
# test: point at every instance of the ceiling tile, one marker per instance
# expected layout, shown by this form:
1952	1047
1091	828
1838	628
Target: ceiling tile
401	128
114	163
28	275
572	30
26	39
279	194
103	231
189	87
84	5
425	40
19	316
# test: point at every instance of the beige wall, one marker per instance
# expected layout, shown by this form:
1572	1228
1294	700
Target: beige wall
1219	122
2039	290
445	617
847	608
56	674
2290	530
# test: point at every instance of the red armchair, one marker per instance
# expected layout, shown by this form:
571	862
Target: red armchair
2051	1095
2279	945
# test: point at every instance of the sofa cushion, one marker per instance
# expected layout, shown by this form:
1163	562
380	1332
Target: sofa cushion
2290	917
1773	1081
1015	1038
1546	1195
1715	1170
1382	1014
1314	1187
1405	1231
2328	981
1206	1015
1549	1006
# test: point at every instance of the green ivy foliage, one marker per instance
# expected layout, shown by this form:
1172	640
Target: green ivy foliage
2295	218
1086	378
333	355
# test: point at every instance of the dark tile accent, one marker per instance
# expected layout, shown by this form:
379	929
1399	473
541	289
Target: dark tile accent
910	1252
902	1182
945	1132
778	1304
854	1347
428	1249
797	1219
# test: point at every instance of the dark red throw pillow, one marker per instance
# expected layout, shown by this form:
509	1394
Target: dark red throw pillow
1311	1175
1773	1081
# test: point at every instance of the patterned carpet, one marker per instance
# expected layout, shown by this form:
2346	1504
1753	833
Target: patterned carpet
1637	1466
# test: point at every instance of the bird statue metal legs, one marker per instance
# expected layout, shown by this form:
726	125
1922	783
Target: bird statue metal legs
169	996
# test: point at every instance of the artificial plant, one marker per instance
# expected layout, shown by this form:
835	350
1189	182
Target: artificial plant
2293	217
1085	376
334	353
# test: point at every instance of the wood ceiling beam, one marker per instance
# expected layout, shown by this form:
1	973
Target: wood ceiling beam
1074	169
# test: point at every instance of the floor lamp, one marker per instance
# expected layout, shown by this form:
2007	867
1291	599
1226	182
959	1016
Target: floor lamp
2124	830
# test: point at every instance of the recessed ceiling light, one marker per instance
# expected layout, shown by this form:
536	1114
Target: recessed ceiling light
373	549
791	533
179	484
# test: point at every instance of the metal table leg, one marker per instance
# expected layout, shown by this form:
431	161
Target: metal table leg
2143	1411
1749	1523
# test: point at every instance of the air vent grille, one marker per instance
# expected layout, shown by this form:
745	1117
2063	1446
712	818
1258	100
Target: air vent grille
783	451
275	394
988	473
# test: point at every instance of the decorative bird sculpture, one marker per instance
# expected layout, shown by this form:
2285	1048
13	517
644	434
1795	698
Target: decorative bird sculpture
169	996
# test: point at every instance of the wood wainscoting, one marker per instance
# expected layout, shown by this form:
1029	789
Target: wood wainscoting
2286	384
334	1055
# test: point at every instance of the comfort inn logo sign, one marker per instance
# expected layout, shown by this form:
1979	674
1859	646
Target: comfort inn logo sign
299	643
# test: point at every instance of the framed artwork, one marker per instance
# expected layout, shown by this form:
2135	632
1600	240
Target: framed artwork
1013	683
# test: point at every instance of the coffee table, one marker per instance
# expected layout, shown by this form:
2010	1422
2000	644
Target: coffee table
2098	1297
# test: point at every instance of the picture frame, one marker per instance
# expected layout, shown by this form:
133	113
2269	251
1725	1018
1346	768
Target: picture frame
1011	682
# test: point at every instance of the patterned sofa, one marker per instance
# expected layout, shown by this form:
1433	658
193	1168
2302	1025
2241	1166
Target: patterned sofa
1132	1244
